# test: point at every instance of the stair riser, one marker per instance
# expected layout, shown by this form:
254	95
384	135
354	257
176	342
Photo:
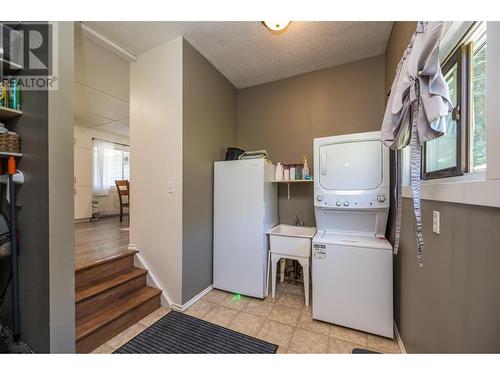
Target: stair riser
96	273
102	335
108	297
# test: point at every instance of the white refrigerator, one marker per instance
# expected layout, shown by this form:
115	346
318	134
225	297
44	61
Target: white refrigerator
245	207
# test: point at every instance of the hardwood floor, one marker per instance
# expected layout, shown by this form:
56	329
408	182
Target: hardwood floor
110	293
99	240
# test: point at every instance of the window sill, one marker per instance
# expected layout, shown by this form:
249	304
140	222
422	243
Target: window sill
472	189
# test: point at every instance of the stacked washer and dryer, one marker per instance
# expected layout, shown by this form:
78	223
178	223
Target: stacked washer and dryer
351	259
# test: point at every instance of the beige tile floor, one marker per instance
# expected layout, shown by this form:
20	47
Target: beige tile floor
284	321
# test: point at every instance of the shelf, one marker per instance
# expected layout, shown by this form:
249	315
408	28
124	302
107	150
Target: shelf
288	182
4	155
291	181
8	113
9	65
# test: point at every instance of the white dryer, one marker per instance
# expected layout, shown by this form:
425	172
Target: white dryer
352	260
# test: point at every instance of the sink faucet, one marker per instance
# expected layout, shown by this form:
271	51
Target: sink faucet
297	222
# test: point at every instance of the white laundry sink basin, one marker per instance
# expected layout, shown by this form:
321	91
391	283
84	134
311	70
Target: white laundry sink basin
291	240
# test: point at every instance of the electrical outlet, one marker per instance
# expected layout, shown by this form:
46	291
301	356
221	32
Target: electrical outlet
435	222
170	187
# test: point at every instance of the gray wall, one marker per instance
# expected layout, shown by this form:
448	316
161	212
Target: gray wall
209	126
283	117
452	304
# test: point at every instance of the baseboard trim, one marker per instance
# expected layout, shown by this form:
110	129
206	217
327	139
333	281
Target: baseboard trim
151	280
105	214
399	339
192	301
83	220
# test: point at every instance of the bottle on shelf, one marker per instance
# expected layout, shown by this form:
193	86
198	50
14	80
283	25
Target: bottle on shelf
279	172
4	98
298	171
286	173
305	169
292	171
14	94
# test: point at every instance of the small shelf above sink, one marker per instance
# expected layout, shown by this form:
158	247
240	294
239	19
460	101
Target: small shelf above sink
288	182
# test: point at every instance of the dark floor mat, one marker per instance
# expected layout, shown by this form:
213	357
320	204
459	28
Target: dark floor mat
363	351
180	333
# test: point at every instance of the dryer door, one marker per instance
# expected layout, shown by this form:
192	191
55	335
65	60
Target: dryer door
351	165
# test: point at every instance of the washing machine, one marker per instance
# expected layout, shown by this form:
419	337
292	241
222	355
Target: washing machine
352	278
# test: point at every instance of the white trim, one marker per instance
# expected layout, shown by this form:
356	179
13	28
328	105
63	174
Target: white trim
100	40
192	301
111	213
83	220
399	339
151	280
492	107
475	192
467	177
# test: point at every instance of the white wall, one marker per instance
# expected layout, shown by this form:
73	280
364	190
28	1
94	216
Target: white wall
156	162
492	107
109	205
61	240
100	69
102	88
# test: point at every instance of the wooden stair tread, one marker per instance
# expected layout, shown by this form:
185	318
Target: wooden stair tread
93	322
88	291
111	258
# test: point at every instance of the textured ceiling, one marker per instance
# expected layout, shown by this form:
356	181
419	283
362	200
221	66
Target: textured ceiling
248	54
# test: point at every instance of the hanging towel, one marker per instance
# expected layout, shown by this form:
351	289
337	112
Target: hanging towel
416	112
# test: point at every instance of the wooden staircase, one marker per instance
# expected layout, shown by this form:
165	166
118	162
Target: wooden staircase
111	295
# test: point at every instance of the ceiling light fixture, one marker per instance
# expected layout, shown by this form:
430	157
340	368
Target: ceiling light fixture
276	27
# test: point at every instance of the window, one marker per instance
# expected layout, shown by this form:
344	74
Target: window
463	148
119	162
111	161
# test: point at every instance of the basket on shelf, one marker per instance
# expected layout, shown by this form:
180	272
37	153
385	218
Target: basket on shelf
9	142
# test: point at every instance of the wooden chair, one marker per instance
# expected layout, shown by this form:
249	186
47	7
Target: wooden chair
123	188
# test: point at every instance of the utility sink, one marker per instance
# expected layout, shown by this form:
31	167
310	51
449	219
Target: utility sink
291	240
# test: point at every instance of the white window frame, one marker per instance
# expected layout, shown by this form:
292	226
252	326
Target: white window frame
475	188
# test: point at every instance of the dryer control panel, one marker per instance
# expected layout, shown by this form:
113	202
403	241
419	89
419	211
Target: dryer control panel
376	199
